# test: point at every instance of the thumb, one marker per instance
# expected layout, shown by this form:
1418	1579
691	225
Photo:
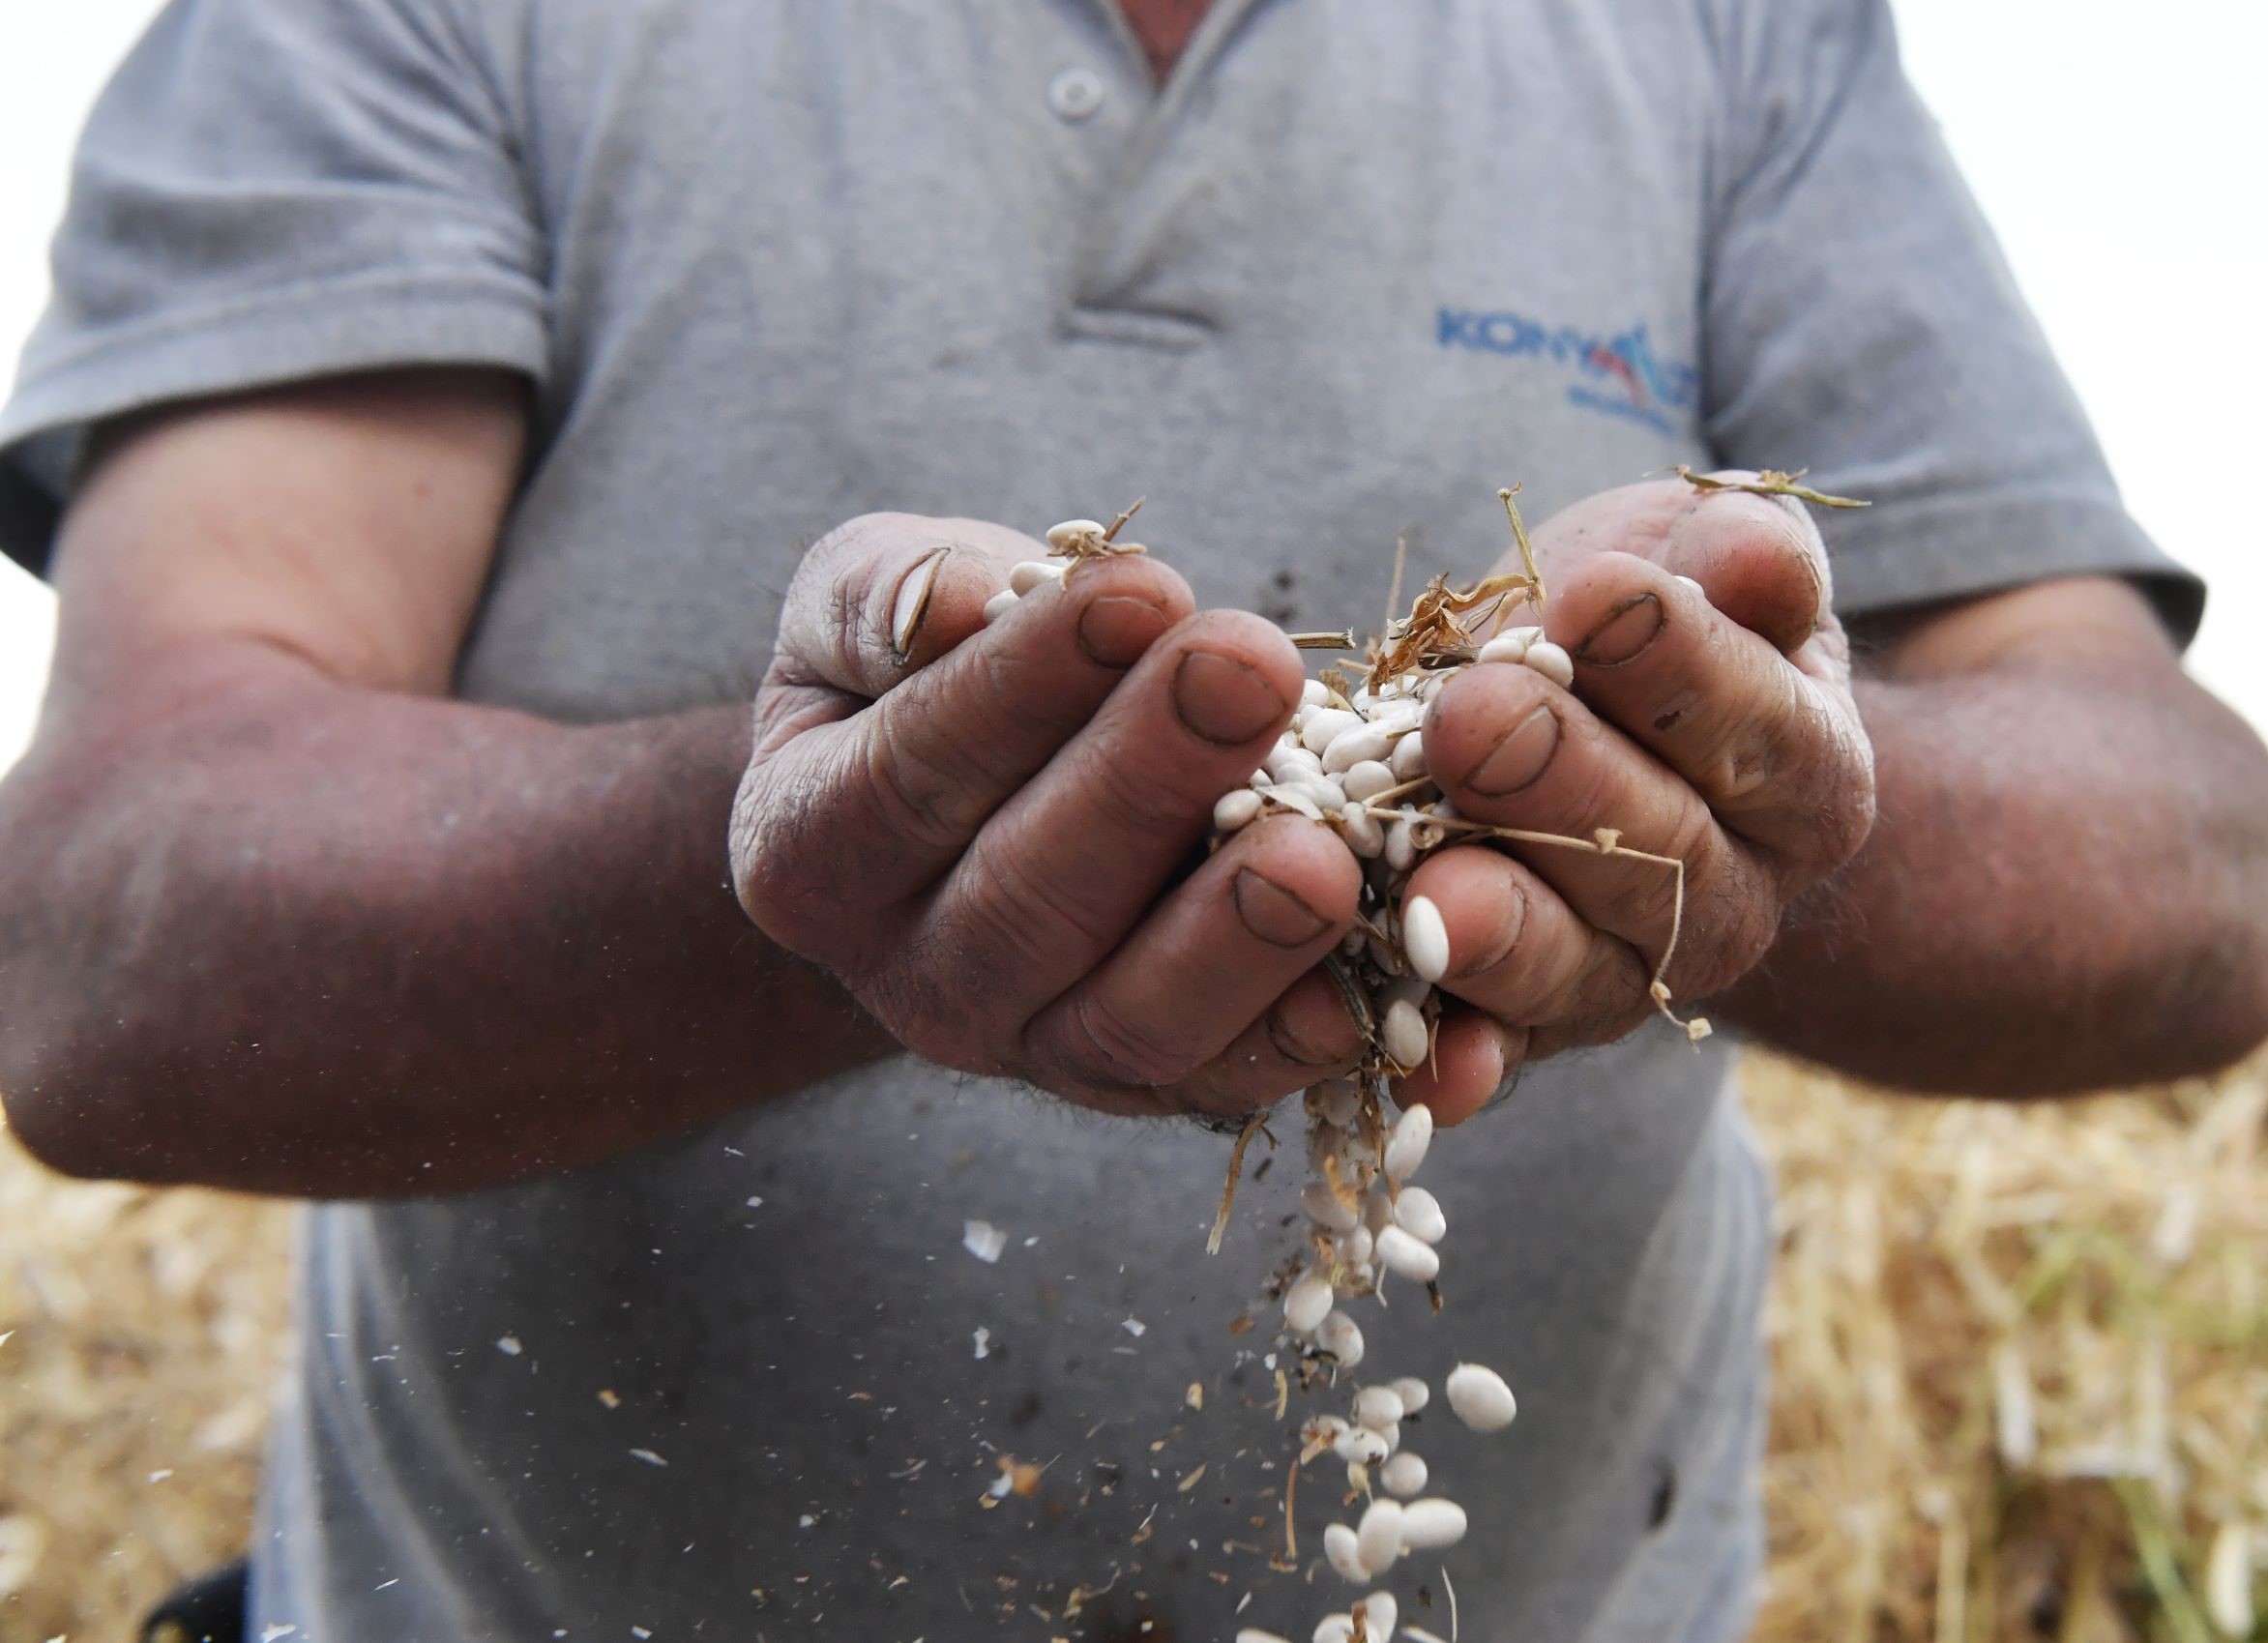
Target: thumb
882	596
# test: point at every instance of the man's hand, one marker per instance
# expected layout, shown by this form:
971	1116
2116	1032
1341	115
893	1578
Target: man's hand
1711	722
984	831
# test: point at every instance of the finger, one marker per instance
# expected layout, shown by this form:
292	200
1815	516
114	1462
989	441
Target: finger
1070	864
1474	1057
1208	960
1758	558
1519	952
881	802
1511	749
1778	755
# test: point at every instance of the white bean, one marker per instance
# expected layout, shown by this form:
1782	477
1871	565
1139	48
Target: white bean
1343	1551
1403	1474
1335	1628
1357	745
1254	1635
1511	645
1480	1398
1403	1033
1401	846
1378	1212
1399	716
1072	530
1695	586
1307	1301
1322	724
1341	1099
1408	1257
1408	759
1338	1336
1326	1210
1406	1148
1418	1213
1378	1535
1235	809
1424	937
1552	662
1313	694
1283	762
1379	1614
1365	834
1377	1407
999	605
1413	1392
1369	777
1292	797
1357	1246
1034	574
1361	1446
1431	1524
1326	793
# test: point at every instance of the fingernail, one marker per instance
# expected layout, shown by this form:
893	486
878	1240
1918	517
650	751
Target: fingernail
1293	1048
1629	629
1273	913
1520	760
913	602
1115	630
1504	1089
1225	701
1501	948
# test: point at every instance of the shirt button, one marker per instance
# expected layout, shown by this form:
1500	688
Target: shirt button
1076	93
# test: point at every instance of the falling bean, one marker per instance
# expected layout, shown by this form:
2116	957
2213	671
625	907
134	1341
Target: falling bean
1344	1552
1307	1301
1418	1213
1408	1257
1480	1398
1406	1148
1403	1475
1377	1407
1428	1525
1326	1209
1379	1614
1340	1336
1378	1535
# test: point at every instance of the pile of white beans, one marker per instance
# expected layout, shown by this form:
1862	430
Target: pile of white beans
1356	763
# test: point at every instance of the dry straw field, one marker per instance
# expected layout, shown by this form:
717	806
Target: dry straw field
2022	1359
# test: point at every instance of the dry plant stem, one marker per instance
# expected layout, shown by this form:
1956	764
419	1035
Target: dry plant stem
1606	842
1253	1125
1342	640
1770	483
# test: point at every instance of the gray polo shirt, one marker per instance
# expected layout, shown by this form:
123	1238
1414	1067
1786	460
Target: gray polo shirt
772	263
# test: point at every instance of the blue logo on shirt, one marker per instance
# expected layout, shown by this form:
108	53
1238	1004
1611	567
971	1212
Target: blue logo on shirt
1617	376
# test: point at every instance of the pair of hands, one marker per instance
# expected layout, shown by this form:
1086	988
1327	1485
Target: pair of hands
985	833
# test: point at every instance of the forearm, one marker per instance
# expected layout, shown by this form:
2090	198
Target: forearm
2063	891
308	939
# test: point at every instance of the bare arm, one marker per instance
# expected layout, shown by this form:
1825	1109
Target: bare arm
277	914
2066	883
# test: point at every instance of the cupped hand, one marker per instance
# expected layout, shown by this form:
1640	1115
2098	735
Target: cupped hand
1710	720
985	832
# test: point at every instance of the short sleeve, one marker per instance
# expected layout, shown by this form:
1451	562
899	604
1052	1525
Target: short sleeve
1861	321
271	190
